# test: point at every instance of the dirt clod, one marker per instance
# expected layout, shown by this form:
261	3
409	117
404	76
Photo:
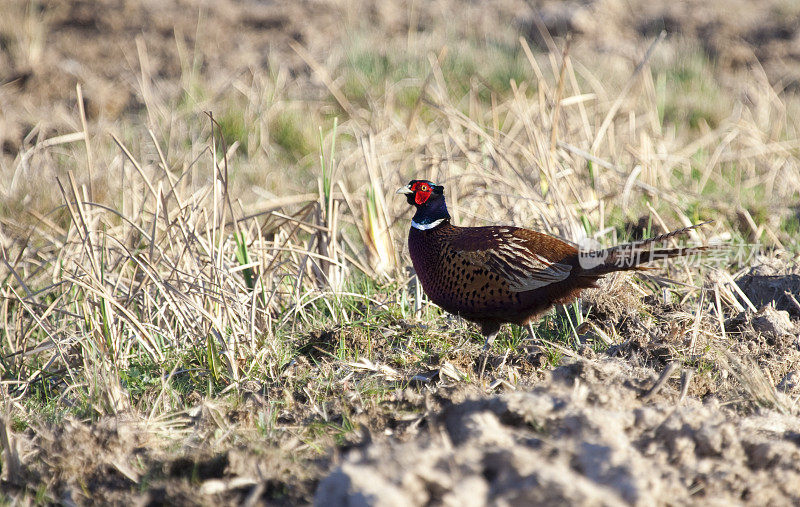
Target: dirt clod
773	282
582	436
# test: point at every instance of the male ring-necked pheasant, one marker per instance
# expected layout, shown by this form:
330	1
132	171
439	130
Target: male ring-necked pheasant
494	275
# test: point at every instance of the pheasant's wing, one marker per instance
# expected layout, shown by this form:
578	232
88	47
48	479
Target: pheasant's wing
523	259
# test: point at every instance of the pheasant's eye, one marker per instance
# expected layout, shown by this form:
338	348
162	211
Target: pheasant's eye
423	188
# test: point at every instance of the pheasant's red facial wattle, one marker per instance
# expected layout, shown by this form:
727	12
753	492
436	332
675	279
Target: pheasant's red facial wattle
422	191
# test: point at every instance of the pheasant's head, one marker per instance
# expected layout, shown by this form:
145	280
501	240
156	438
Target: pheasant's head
428	198
419	192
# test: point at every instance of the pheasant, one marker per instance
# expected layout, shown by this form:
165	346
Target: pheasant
495	275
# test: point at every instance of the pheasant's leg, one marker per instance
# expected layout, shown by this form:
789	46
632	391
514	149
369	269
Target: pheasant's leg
487	345
534	342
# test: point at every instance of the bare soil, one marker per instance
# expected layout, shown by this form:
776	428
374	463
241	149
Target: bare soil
642	423
585	435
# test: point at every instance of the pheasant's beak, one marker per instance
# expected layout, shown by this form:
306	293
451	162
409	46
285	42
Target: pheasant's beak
405	190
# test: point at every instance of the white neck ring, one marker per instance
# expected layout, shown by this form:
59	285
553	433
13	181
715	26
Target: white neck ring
425	227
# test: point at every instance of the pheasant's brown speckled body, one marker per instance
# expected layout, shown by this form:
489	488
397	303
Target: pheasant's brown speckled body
470	271
493	275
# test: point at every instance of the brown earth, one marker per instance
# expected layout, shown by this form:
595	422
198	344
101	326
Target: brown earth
643	423
585	435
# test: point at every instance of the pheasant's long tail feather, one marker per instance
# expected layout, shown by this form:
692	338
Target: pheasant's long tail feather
633	255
